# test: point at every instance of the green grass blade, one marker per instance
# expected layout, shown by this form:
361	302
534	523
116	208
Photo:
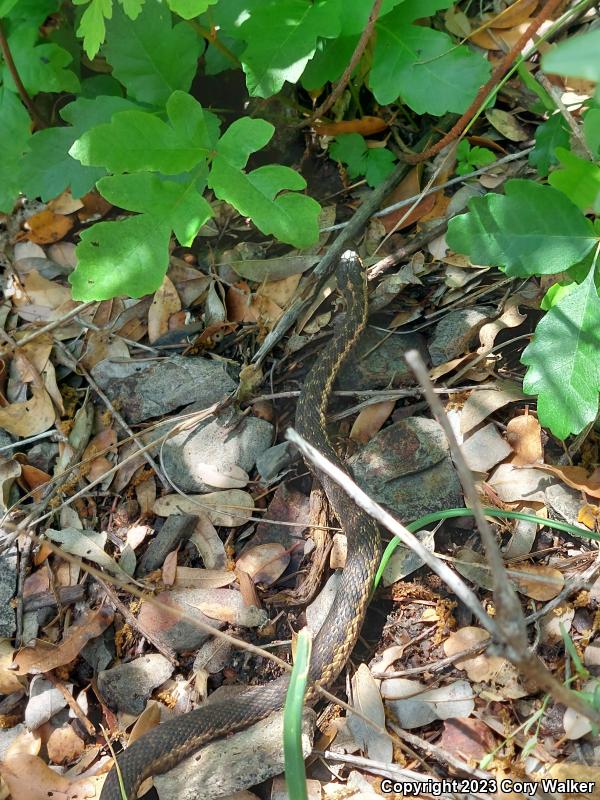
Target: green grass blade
295	773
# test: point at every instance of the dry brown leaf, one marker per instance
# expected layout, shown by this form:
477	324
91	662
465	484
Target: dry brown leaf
524	435
169	570
47	227
498	38
367	126
265	562
408	187
31	416
145	494
589	515
101	345
538	581
148	719
44	656
165	303
196	578
44	293
34	479
370	420
29	778
65	203
514	14
576	477
99	465
64	745
94	207
9	682
231	508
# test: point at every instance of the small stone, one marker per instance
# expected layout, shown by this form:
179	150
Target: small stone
127	687
229	439
229	765
275	460
146	389
8	586
456	332
378	362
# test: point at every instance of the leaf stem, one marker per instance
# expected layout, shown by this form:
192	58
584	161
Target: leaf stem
23	94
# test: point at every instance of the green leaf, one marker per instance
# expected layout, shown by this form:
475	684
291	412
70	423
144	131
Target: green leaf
281	37
330	60
531	230
129	257
188	9
577	56
136	140
16	132
552	133
260	194
6	6
579	180
563	361
148	56
91	26
372	162
41	67
351	150
423	66
180	206
47	168
591	130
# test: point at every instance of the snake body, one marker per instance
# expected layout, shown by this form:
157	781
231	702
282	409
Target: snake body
167	744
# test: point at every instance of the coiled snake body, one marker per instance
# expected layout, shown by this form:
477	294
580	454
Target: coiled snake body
166	745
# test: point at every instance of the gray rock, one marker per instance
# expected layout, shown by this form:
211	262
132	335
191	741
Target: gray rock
145	389
127	687
177	528
456	332
566	502
231	438
42	455
275	460
407	467
8	586
229	765
378	362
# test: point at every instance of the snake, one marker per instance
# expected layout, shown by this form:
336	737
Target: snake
166	745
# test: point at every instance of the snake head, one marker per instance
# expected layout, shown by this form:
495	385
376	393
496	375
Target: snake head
350	270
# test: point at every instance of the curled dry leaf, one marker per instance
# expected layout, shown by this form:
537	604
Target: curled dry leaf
223	477
482	403
230	508
576	477
366	698
29	778
165	303
538	581
265	562
30	417
47	227
195	578
169	570
209	544
370	420
366	126
44	657
524	435
422	705
9	682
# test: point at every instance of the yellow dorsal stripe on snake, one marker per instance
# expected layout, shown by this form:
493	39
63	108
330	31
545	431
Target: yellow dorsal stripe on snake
166	745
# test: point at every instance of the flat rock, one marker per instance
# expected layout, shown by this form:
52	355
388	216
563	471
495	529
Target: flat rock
230	765
145	389
127	687
407	467
378	362
177	528
456	332
485	448
8	586
221	442
273	461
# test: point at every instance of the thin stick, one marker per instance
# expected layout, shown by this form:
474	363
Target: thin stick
347	74
362	499
23	94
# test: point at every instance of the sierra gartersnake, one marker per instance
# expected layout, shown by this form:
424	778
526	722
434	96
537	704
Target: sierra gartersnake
166	745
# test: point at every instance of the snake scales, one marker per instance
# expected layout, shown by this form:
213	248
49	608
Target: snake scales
166	745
